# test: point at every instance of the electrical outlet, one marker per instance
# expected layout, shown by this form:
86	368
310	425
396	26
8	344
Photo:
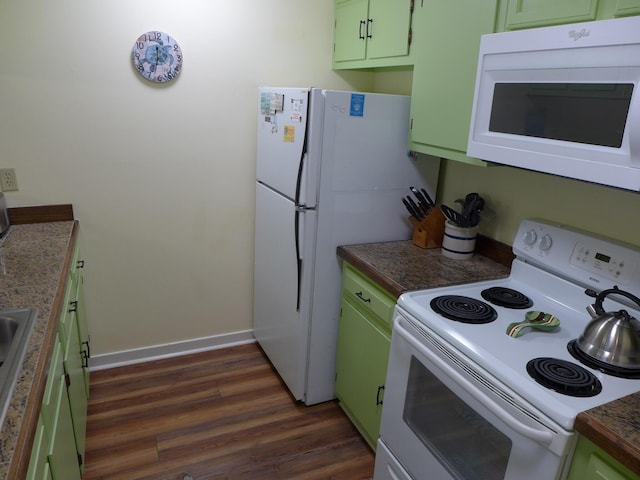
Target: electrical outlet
8	180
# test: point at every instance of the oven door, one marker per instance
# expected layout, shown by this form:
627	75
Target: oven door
445	419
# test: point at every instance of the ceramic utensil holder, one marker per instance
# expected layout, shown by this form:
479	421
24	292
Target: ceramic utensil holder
458	243
428	232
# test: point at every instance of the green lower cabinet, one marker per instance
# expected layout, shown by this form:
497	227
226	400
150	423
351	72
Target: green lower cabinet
592	463
446	51
362	353
63	414
63	457
76	391
38	463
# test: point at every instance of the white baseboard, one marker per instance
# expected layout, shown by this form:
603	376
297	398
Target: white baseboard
169	350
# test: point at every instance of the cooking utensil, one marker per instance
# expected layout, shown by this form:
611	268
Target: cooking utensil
533	319
612	337
453	216
471	206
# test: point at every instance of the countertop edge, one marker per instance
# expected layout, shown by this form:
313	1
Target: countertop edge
19	464
611	442
378	277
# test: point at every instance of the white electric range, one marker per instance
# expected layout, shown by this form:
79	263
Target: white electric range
461	400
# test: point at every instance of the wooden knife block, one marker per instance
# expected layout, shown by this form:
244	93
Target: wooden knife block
428	232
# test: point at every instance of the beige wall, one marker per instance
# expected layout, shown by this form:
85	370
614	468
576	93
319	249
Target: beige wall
161	177
513	194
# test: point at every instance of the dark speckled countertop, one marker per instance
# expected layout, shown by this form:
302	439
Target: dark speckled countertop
615	427
401	266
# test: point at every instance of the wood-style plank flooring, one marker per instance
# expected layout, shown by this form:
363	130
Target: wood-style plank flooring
217	415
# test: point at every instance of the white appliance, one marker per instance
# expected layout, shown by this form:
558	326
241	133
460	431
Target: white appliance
461	400
332	169
562	100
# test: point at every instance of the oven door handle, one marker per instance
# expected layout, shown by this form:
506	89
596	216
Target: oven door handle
544	437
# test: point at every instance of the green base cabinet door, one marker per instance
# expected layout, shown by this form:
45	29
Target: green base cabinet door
364	331
362	356
63	457
38	463
592	463
446	52
73	367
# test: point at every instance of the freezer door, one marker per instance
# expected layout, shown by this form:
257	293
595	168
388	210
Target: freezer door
282	123
281	297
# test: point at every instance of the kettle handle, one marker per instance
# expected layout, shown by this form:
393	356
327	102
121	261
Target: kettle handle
616	291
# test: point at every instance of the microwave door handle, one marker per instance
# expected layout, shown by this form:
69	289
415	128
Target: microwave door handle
544	437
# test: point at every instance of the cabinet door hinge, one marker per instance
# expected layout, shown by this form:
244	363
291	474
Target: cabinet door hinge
67	380
79	459
411	6
411	124
409	36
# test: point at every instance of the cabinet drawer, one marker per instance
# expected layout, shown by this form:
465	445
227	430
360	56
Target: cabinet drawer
367	296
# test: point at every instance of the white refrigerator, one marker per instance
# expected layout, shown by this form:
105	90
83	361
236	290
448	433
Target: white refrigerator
332	168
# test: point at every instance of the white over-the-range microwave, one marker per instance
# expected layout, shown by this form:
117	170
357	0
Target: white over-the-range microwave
563	100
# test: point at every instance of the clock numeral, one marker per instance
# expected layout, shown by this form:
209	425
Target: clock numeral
140	45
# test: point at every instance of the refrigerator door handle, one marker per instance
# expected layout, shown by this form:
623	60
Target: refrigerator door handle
299	211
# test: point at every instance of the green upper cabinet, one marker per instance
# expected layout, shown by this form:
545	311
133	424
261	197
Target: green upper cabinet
627	8
446	51
372	33
538	13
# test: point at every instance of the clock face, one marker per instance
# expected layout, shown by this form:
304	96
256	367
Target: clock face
157	57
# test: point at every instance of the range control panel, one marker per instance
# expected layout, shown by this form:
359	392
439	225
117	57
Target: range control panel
583	257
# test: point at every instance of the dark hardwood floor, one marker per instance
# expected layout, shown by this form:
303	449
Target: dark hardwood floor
217	415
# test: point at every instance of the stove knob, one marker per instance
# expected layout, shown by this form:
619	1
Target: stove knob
530	237
545	243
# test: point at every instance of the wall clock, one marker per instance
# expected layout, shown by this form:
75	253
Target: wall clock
157	56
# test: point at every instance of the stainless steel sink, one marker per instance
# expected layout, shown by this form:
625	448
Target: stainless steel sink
15	330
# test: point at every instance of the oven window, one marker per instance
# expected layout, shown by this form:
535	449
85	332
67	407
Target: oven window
590	113
466	444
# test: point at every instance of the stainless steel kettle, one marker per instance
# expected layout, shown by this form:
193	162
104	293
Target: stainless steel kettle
612	337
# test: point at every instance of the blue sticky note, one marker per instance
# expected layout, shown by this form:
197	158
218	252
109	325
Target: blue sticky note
357	105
